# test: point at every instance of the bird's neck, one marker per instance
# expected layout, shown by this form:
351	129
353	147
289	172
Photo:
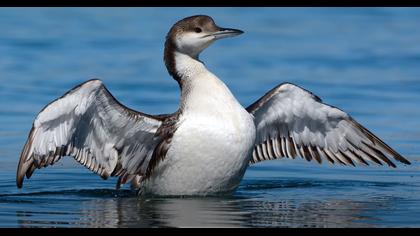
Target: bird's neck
187	67
201	90
181	66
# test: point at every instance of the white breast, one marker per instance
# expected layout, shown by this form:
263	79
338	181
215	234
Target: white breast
211	148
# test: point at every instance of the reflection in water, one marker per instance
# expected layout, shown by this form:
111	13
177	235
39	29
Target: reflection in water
331	213
164	212
199	212
134	212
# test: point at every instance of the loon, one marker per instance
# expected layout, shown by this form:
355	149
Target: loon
205	147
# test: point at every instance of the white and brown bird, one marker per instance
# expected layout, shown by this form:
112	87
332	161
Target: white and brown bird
205	146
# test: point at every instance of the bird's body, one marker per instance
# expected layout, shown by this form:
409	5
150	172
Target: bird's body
205	146
211	146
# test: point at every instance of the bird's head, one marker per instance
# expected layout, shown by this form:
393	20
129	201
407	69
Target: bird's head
193	34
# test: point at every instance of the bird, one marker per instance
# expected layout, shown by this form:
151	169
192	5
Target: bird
207	144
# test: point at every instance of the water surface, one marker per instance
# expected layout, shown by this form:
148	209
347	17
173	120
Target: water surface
364	60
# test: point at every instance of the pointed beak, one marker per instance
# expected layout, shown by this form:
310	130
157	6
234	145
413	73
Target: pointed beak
225	33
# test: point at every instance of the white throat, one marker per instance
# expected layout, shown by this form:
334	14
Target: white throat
202	92
187	66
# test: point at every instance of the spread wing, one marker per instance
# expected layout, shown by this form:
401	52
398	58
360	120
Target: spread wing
89	124
291	122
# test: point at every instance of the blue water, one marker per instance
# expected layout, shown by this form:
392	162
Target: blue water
364	60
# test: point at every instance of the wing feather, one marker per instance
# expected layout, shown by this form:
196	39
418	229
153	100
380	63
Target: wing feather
292	121
89	124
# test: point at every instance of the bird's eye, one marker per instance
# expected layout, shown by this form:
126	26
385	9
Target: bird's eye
197	30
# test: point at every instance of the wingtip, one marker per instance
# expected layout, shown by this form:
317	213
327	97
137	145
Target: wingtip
19	182
20	173
25	160
402	160
398	157
383	145
406	162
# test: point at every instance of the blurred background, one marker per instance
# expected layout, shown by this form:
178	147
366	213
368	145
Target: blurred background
365	61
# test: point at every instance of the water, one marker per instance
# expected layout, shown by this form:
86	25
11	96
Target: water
363	60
